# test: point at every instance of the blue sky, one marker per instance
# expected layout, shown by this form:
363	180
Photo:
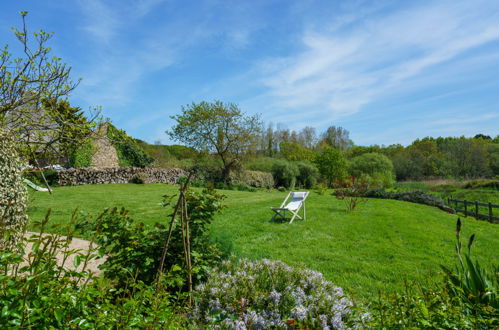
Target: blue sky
388	71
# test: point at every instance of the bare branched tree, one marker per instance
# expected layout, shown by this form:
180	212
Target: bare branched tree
33	89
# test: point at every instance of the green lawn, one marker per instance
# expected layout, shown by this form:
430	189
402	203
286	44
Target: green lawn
363	251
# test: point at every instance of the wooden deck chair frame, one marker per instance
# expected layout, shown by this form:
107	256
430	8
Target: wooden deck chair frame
281	211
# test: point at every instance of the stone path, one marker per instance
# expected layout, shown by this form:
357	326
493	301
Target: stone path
76	244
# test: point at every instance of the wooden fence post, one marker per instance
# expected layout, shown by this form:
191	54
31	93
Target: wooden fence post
476	209
490	211
465	208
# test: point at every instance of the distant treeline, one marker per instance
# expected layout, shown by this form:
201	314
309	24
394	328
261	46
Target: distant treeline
457	157
427	158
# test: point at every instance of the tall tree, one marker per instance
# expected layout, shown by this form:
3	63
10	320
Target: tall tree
221	128
337	137
332	164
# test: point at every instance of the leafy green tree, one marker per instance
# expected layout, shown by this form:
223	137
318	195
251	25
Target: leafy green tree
285	173
294	151
332	164
376	168
220	128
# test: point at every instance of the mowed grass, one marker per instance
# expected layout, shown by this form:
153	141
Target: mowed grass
373	248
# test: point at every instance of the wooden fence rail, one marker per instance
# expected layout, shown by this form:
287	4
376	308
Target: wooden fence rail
473	209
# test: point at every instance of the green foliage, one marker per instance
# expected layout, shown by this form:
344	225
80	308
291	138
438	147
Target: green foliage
253	178
352	191
293	152
474	285
285	174
332	165
262	164
307	175
265	294
371	164
482	184
415	196
139	178
13	195
134	249
43	293
220	128
421	306
82	156
51	176
129	152
31	82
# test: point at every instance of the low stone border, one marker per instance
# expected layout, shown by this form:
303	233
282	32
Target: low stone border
98	175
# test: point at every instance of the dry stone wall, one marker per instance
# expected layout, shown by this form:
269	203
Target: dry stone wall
94	175
105	154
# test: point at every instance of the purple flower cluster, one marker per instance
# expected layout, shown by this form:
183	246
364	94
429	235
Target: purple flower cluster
270	294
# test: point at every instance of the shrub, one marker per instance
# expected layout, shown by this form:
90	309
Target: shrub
375	168
13	194
262	164
420	306
331	164
474	285
307	175
482	184
266	294
53	297
253	178
134	249
82	156
414	196
467	299
351	191
285	173
129	152
139	178
207	172
51	176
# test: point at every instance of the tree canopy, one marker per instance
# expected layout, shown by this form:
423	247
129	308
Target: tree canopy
220	128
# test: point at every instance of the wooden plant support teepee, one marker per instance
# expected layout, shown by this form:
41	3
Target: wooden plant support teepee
180	208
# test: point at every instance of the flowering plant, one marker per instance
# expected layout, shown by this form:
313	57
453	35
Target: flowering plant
270	294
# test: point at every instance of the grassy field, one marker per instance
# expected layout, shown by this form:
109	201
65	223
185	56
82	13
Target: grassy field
370	249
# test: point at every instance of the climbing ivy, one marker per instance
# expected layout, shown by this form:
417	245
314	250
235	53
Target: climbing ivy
82	157
129	152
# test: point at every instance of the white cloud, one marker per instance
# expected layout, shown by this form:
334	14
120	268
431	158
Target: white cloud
341	70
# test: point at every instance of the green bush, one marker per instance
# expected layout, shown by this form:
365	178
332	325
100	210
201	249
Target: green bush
139	178
285	173
253	178
134	249
13	194
307	175
129	152
51	176
262	164
374	168
482	184
82	156
473	284
467	299
332	165
268	294
39	293
414	196
422	306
